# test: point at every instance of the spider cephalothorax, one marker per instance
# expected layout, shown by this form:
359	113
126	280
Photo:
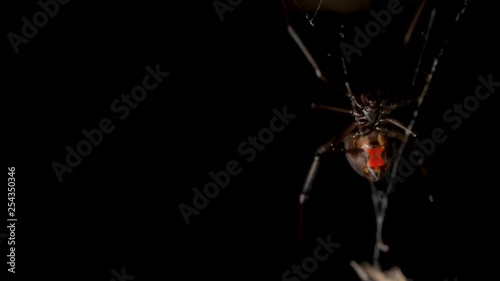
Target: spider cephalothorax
368	112
371	113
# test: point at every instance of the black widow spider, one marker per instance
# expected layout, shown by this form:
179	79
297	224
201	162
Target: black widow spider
368	142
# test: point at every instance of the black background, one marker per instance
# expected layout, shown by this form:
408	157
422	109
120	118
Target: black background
119	207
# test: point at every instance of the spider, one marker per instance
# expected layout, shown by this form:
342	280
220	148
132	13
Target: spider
368	141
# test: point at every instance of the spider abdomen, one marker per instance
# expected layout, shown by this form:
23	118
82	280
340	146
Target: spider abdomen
368	154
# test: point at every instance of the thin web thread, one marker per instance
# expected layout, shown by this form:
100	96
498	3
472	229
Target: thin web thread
315	13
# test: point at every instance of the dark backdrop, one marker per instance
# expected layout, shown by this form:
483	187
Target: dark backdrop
120	206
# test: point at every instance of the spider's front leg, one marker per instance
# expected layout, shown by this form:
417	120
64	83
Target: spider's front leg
395	105
310	58
398	124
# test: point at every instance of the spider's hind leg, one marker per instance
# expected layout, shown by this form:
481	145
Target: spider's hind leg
331	145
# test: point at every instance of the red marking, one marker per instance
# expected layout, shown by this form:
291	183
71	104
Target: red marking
375	159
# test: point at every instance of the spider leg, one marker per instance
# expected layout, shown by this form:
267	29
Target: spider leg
422	95
310	58
436	58
399	125
414	22
303	47
396	105
389	132
429	27
425	89
306	53
332	108
330	145
311	175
